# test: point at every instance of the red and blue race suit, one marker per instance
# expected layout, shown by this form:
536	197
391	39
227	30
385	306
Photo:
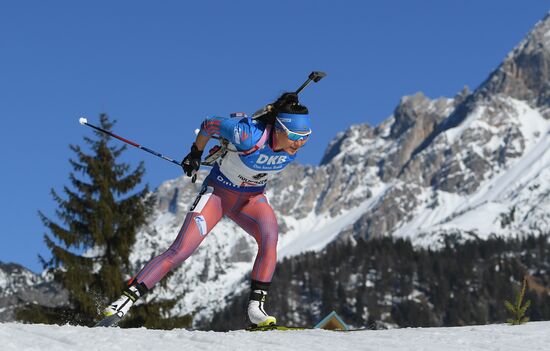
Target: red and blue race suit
234	188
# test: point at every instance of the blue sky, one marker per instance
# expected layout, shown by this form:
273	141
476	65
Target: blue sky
159	68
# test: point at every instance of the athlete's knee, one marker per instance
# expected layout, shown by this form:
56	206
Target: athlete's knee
267	248
270	237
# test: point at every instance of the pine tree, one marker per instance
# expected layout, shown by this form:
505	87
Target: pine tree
518	309
90	248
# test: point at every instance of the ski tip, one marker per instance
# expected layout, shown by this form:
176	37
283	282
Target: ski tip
109	321
197	131
83	120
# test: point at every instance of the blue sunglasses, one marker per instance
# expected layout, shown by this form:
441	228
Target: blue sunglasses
294	136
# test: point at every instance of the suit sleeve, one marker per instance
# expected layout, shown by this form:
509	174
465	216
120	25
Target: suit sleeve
241	133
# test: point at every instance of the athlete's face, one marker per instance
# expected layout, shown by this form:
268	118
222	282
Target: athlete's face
287	145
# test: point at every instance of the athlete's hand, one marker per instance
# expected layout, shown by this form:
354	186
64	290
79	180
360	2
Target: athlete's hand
192	162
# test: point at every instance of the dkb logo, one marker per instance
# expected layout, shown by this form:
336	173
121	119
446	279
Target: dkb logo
271	160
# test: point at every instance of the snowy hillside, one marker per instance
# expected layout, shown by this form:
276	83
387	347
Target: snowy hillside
19	285
20	337
508	201
14	277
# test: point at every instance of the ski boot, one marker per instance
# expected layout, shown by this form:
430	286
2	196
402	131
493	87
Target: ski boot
256	313
113	313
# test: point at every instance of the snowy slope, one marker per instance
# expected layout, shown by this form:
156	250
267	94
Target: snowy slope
18	285
532	336
519	187
14	277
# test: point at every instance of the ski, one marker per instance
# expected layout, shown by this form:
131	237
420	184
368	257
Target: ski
109	321
285	328
274	327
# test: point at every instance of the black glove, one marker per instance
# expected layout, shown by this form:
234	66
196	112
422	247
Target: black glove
192	162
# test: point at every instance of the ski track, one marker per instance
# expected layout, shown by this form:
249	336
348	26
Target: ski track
532	336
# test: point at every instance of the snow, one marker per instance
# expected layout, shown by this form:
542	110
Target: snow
535	130
470	122
531	336
315	232
481	212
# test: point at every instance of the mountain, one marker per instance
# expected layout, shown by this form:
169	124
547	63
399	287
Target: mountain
19	286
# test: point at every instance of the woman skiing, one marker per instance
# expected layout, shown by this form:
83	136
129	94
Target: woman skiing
255	150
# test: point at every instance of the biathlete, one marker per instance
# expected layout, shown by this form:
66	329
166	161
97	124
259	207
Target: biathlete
255	150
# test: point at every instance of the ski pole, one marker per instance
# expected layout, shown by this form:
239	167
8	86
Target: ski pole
84	121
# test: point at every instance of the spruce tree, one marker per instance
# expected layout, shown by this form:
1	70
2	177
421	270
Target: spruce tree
100	216
519	308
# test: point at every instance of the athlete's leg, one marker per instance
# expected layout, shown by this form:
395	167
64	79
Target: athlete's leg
258	219
205	213
201	218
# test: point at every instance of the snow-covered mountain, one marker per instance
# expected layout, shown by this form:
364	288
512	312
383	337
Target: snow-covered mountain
473	165
18	286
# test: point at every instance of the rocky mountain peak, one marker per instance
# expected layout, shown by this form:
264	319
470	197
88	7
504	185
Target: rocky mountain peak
413	119
525	73
406	113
